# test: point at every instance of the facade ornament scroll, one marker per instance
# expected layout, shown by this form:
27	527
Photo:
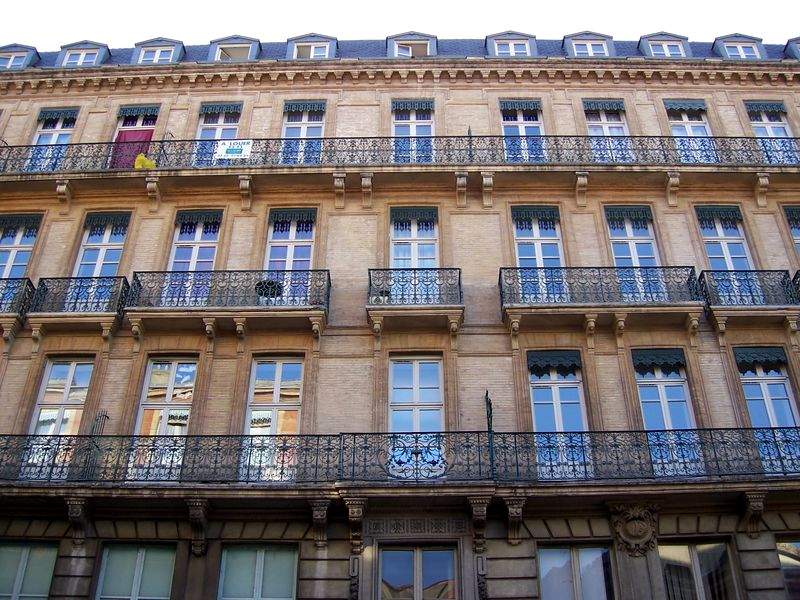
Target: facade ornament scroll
487	186
479	506
515	506
693	327
581	186
790	323
673	186
78	517
198	519
760	189
355	515
64	193
366	190
754	504
153	193
634	527
246	192
461	189
339	180
319	517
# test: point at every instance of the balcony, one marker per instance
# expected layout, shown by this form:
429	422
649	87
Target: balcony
230	300
569	295
70	303
15	298
401	458
531	152
415	299
740	296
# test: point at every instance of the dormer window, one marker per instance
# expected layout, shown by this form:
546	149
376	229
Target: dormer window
313	51
155	56
741	51
512	48
12	60
588	48
81	58
233	52
667	49
412	49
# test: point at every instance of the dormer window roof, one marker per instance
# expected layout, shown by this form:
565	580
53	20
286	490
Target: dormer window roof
82	54
511	44
588	44
411	44
664	45
792	48
235	48
311	46
158	51
738	46
17	56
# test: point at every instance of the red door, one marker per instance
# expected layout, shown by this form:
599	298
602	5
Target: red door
128	145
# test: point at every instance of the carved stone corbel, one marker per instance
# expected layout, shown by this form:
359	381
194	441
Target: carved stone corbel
721	325
590	327
453	326
515	506
10	328
246	192
634	527
37	333
692	327
366	190
153	193
355	516
64	195
754	504
78	517
137	331
461	189
479	506
107	329
619	324
673	186
210	327
513	329
487	186
377	331
790	323
198	519
338	189
581	185
319	516
760	189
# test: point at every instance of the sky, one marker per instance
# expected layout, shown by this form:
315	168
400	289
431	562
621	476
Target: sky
48	24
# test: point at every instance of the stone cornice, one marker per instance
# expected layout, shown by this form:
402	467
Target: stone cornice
266	73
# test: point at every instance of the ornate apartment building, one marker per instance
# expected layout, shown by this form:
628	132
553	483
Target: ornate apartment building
404	318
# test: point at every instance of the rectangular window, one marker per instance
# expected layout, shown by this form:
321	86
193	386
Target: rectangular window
80	58
414	243
537	240
233	53
416	402
770	402
590	48
693	136
155	56
522	131
302	130
774	136
412	49
725	244
697	572
132	138
258	573
130	572
746	51
418	573
793	218
54	131
62	396
633	247
26	570
290	244
101	248
16	246
633	242
315	51
666	49
275	397
576	573
167	397
219	125
511	48
556	389
412	130
609	135
789	555
194	246
12	60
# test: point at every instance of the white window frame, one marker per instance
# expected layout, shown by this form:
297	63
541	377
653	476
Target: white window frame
663	46
538	240
304	123
218	127
575	566
159	57
416	406
417	567
139	124
414	241
555	386
413	122
661	382
82	61
631	241
14	249
65	403
795	233
138	575
688	124
55	132
291	243
411	44
520	123
724	240
512	52
590	52
11	57
258	575
738	49
195	244
22	568
312	49
102	248
221	48
769	126
167	404
696	572
763	380
606	124
276	390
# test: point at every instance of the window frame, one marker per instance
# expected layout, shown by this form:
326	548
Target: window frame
688	123
165	405
14	249
723	241
65	403
590	53
11	57
418	550
695	564
416	406
512	51
764	380
138	572
769	125
312	46
411	44
217	127
739	48
606	124
276	404
664	45
157	58
22	568
661	382
258	574
538	241
631	240
414	242
795	237
574	560
55	132
195	245
221	48
555	384
102	247
291	243
81	61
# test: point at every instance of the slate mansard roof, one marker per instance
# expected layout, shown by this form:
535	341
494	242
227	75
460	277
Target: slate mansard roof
444	48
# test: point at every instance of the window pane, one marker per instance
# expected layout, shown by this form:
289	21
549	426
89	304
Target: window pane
595	573
279	572
118	571
157	572
430	420
397	575
429	374
402	420
238	578
715	571
676	566
291	379
555	570
10	555
438	575
402	374
789	555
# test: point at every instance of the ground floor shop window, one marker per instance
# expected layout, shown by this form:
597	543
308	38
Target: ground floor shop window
697	571
258	572
418	573
26	570
576	573
130	572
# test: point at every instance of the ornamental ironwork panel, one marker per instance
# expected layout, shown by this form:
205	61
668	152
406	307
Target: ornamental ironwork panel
748	288
80	295
598	285
16	295
228	289
378	151
414	287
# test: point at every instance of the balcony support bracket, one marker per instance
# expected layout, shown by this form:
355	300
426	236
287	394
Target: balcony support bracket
487	186
721	325
366	190
319	515
461	189
479	506
210	328
10	328
338	189
198	519
137	331
246	191
153	193
790	323
692	327
634	527
761	188
515	506
754	503
581	185
453	326
673	186
619	327
317	327
78	517
590	327
37	333
514	323
355	516
377	330
64	194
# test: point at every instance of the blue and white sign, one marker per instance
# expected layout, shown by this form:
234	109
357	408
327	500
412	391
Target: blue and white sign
233	149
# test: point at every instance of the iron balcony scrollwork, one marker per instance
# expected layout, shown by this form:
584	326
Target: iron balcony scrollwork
538	458
435	150
749	288
414	287
16	294
598	285
231	289
80	295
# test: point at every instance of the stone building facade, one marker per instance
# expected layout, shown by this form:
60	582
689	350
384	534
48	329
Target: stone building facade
501	318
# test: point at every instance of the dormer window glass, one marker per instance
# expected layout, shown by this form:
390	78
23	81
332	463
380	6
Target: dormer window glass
667	49
742	50
12	60
233	52
590	48
155	56
412	49
312	51
512	48
81	58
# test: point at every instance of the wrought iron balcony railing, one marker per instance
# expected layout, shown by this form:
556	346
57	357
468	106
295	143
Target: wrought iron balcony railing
598	285
231	289
436	150
414	287
80	295
15	295
535	458
749	288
